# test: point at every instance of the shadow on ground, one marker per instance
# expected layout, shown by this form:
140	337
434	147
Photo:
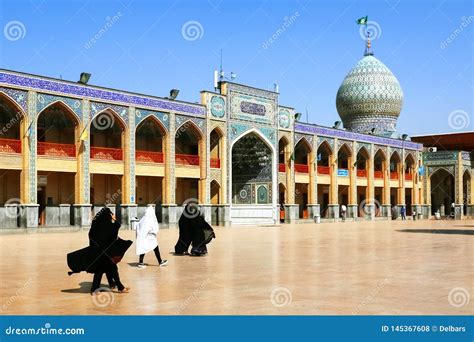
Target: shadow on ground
439	231
85	287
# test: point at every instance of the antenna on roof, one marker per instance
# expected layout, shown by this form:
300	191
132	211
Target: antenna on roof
222	73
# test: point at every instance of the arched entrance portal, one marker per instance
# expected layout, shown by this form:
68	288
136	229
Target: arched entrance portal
442	191
253	181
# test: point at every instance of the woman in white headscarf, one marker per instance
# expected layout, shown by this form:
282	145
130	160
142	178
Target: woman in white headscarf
147	229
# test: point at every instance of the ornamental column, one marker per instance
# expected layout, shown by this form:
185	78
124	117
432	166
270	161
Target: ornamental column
352	205
370	201
224	206
313	206
169	181
129	207
205	175
458	183
387	211
401	182
291	209
82	206
333	207
29	214
470	194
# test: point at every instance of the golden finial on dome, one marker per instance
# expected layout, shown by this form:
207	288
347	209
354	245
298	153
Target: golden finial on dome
367	46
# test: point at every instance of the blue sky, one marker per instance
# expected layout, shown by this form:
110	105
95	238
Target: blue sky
428	45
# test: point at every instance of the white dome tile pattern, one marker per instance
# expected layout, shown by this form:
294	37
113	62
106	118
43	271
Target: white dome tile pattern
370	98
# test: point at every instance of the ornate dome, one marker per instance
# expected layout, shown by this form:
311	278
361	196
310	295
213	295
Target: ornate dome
370	98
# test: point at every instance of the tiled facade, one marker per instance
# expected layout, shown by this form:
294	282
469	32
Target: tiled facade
235	112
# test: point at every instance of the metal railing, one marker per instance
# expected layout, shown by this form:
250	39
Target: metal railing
10	146
301	168
186	159
56	149
149	157
106	153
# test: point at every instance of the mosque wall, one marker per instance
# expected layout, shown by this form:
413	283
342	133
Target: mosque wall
136	173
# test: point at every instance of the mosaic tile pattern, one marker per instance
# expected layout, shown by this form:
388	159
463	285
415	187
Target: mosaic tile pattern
217	106
32	145
76	89
98	107
339	133
142	114
308	138
369	97
284	118
330	141
131	125
45	100
86	154
20	97
368	147
181	119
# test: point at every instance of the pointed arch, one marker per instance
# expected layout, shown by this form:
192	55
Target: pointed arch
12	117
273	163
258	133
325	145
439	170
363	151
345	147
409	158
380	152
218	130
111	114
64	106
305	143
283	139
184	127
152	117
395	155
13	103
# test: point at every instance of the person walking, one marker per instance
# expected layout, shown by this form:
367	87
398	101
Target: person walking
146	232
343	212
403	213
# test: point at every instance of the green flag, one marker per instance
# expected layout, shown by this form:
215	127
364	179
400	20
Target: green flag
362	21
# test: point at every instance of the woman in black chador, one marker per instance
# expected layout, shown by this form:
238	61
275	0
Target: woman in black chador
193	230
104	252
